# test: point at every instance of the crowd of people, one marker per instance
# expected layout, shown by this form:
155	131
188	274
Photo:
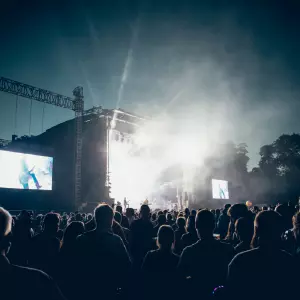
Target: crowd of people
229	253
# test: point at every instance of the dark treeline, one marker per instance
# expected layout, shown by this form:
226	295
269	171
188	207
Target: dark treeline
275	179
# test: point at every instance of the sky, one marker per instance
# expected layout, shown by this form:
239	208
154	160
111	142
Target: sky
230	67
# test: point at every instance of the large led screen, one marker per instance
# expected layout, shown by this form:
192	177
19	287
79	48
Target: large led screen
25	171
220	189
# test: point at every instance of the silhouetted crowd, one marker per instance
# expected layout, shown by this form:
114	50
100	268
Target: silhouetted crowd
229	253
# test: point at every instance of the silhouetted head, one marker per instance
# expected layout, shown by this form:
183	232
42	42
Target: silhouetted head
181	222
119	209
145	211
73	230
154	217
161	220
129	212
186	212
237	211
78	217
218	212
5	230
169	217
226	207
51	222
283	210
205	223
25	218
165	237
193	213
191	224
267	229
256	209
118	217
244	229
24	214
104	215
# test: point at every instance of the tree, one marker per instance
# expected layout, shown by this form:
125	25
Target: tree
280	162
268	164
229	162
282	156
241	158
287	153
3	143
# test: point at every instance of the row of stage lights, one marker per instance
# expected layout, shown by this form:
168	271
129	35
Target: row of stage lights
121	137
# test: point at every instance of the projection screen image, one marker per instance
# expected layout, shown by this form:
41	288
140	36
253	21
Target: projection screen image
220	189
25	171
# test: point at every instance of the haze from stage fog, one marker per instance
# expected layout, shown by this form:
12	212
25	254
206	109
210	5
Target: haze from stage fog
227	72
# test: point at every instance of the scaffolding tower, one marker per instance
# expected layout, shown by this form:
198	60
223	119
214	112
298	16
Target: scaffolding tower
76	104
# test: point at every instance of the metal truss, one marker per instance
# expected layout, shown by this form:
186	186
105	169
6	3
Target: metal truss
34	93
45	96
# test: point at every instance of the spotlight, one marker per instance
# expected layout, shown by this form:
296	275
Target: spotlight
186	150
142	139
113	124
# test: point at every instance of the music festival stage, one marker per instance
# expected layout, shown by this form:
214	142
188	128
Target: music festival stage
123	156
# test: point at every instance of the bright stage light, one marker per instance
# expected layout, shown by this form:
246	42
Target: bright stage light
132	175
136	168
186	151
142	139
113	123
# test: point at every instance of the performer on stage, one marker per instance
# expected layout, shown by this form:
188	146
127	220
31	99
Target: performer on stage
26	174
126	203
221	193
